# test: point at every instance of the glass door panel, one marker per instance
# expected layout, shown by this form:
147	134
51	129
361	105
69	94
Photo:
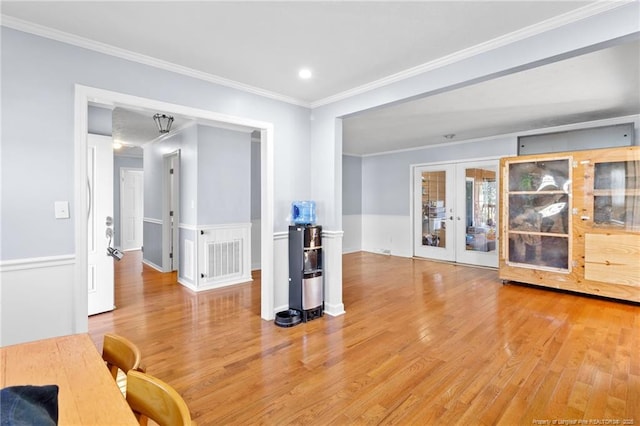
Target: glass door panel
476	222
433	208
434	199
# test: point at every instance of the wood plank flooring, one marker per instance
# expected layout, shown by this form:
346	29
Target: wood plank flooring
421	343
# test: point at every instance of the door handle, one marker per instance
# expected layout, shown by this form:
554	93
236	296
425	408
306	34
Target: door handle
112	251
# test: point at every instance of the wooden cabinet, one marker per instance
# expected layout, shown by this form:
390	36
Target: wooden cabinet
572	221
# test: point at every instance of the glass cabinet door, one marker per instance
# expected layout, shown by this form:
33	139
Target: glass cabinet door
537	213
616	195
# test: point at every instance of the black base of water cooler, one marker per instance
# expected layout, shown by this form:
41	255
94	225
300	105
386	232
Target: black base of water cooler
288	318
311	314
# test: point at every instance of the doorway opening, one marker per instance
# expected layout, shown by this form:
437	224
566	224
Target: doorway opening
85	96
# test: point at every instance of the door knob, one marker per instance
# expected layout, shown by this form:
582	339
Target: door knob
109	221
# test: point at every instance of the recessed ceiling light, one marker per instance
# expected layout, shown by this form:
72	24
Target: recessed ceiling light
304	73
117	145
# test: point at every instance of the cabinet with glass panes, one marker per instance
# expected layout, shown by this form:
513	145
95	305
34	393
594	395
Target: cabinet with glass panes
572	221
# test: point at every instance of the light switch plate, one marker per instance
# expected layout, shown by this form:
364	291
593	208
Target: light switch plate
62	209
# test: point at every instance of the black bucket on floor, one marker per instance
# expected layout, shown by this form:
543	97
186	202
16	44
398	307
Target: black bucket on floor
288	318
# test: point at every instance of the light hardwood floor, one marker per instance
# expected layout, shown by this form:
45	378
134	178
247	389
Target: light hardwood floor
421	343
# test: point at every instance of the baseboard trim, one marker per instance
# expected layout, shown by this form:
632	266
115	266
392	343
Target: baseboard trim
334	310
153	265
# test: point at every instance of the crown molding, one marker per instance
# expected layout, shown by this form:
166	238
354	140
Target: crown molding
521	34
530	31
64	37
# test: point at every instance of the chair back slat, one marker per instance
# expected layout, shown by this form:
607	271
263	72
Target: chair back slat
150	397
120	353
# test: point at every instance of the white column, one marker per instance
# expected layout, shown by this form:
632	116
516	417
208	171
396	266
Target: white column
332	245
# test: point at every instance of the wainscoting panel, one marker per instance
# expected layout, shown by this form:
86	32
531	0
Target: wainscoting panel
33	295
387	234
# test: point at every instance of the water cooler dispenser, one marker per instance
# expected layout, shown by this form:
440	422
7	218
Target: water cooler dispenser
306	288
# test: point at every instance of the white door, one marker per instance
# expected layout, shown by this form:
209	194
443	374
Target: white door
455	217
100	223
131	205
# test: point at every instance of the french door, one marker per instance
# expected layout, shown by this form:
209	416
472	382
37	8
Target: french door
455	212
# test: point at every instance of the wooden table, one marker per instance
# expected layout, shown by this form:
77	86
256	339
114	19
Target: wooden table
88	394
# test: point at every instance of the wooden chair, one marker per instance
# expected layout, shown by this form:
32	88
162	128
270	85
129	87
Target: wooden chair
121	355
151	398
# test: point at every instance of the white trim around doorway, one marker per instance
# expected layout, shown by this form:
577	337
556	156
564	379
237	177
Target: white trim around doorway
83	97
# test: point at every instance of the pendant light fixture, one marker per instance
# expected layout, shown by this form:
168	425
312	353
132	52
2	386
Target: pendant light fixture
164	122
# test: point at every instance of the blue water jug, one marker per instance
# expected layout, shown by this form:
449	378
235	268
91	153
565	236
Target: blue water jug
303	212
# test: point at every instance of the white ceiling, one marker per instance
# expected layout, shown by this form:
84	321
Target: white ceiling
350	46
595	86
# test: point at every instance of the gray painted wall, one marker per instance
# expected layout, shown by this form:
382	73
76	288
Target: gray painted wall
99	121
224	176
152	237
351	185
